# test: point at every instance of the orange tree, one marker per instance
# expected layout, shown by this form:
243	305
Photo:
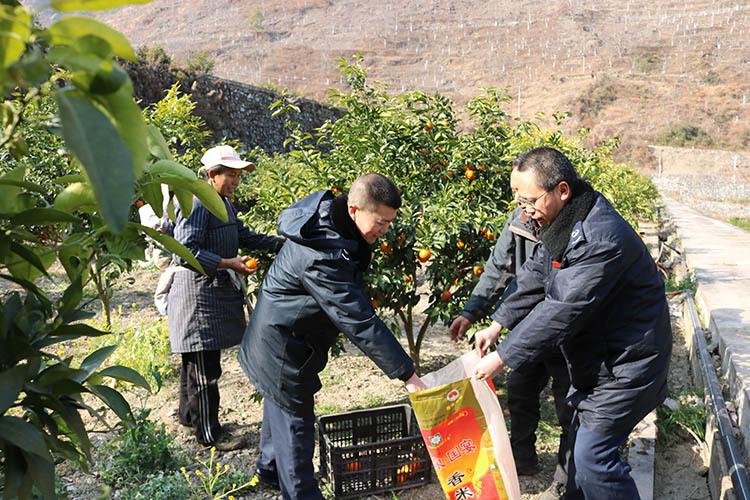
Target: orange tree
454	182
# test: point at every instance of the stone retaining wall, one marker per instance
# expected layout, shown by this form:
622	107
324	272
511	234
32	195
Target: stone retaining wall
231	109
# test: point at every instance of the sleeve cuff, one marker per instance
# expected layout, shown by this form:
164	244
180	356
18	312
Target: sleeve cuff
209	261
505	351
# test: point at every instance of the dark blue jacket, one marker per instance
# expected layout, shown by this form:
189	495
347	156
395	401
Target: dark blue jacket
596	293
313	290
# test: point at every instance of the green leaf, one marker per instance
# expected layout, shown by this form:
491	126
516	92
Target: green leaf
15	30
172	245
78	330
24	184
42	473
72	296
11	383
88	5
114	400
129	121
157	146
76	196
208	195
126	374
73	420
22	434
185	199
94	360
9	190
154	197
69	29
31	264
108	80
107	160
41	217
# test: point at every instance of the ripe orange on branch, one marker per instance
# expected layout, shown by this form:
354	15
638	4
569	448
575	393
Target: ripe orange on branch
477	270
446	295
424	255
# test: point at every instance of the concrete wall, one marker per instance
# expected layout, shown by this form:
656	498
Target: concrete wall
231	109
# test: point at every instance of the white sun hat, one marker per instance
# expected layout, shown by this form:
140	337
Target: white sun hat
226	156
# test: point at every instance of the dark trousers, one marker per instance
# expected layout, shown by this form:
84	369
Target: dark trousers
287	443
595	470
524	388
199	394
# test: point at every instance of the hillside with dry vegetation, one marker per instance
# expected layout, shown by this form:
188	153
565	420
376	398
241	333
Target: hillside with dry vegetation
672	72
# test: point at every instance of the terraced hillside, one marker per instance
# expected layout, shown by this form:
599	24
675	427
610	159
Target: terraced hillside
646	71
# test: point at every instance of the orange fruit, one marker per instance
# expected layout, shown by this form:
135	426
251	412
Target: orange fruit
353	466
385	248
408	279
477	270
251	263
139	203
428	127
470	174
460	245
375	303
400	239
489	235
336	190
446	295
424	255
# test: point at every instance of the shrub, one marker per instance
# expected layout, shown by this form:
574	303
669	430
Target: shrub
682	135
185	132
597	97
200	63
139	449
155	55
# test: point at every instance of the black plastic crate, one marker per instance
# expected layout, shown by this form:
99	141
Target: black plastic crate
372	451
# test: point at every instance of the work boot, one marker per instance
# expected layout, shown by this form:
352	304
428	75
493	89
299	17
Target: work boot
229	442
528	468
554	492
261	480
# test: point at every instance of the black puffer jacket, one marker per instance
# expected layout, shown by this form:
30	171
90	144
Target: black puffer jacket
314	290
593	289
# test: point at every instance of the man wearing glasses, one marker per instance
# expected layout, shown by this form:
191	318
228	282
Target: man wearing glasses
524	386
592	289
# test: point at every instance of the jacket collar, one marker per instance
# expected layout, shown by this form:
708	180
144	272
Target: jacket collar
524	226
556	236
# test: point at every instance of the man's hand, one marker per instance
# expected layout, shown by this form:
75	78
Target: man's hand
488	367
484	339
237	264
414	384
458	328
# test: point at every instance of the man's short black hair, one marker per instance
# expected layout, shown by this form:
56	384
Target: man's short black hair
550	166
370	190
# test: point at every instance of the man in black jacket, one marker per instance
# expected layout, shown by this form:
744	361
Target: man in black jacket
516	243
592	289
313	291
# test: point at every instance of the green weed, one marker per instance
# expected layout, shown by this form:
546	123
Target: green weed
690	417
687	283
740	222
139	449
142	346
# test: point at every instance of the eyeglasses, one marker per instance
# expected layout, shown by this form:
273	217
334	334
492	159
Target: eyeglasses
529	202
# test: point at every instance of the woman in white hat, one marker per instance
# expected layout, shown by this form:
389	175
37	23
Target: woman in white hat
206	312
